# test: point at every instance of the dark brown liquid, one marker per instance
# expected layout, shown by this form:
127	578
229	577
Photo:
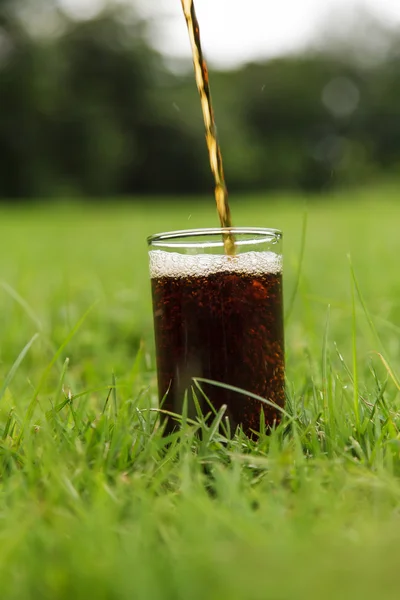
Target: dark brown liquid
214	150
226	327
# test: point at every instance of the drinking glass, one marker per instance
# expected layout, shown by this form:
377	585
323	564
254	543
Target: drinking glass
219	318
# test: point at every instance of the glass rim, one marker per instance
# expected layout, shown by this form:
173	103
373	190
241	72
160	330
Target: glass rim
176	238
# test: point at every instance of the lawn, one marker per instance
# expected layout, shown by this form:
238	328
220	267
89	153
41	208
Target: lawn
94	504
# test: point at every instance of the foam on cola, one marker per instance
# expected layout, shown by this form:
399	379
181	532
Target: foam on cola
220	318
173	264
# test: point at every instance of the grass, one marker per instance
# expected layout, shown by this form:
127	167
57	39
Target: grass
94	502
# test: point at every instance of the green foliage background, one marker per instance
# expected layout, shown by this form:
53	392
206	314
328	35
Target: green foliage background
88	108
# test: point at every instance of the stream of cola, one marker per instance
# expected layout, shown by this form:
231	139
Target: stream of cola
214	150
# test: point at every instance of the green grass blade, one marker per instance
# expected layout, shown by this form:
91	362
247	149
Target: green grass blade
237	390
356	396
23	303
293	297
31	407
16	365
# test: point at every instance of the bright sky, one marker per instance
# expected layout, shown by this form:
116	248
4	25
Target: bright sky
235	31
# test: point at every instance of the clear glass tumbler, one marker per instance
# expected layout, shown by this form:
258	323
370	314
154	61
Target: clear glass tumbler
219	318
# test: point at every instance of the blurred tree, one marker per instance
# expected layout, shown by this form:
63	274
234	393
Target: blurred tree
79	113
290	122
